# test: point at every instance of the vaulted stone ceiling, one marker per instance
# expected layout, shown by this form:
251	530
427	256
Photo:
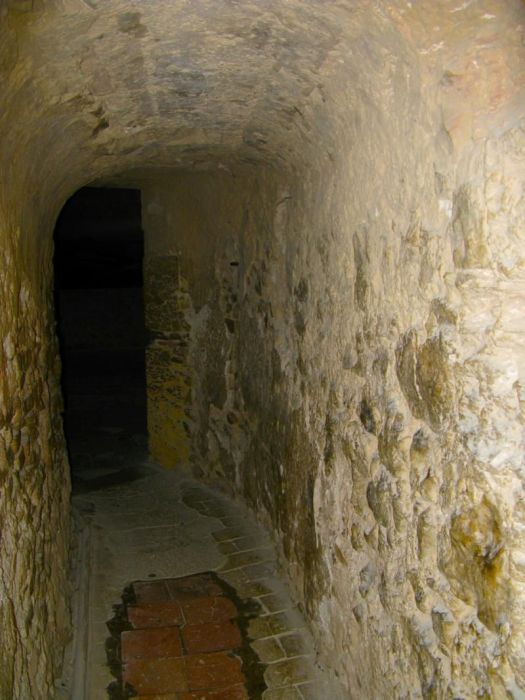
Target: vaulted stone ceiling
177	81
114	85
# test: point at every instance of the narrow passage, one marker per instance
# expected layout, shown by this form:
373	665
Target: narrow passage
176	591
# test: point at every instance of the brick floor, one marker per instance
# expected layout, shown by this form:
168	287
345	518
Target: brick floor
156	643
213	671
193	586
185	642
165	614
234	692
212	636
210	609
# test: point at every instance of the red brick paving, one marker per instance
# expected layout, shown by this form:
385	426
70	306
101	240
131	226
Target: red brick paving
159	614
213	671
193	586
182	645
201	610
212	636
159	642
156	676
237	692
234	692
150	592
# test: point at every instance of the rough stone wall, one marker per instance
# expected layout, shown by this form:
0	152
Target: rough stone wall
416	480
358	376
340	360
167	375
34	476
192	225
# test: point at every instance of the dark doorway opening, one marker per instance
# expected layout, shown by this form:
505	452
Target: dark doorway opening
99	246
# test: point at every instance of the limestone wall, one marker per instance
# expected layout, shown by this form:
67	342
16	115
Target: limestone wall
334	292
394	427
34	476
354	348
339	360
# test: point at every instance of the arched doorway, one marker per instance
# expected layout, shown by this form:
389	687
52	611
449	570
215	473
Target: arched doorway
99	246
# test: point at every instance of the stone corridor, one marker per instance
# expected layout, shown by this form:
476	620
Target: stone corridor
324	262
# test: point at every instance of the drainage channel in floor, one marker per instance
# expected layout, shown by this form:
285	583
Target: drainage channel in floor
184	639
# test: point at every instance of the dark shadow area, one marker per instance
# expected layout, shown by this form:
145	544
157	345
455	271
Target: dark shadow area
100	312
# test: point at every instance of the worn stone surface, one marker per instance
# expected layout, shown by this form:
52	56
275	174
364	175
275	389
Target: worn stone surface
352	269
362	447
34	478
128	540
